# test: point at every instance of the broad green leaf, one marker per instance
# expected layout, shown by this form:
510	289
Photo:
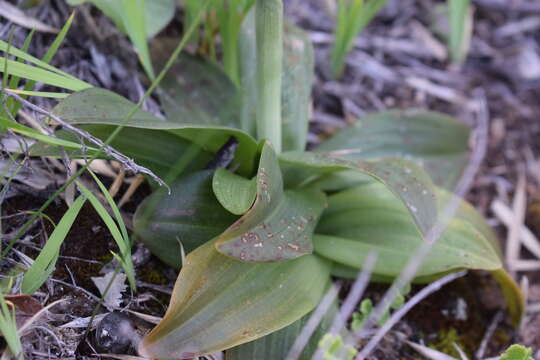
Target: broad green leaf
297	79
434	140
405	179
190	215
44	264
247	45
98	106
467	212
349	272
156	150
195	91
298	69
235	193
369	218
219	302
278	344
340	180
280	223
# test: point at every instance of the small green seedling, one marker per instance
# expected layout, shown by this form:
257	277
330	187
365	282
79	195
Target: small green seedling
335	349
366	307
352	17
517	352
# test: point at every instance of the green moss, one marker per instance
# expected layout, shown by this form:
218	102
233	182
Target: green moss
153	276
446	340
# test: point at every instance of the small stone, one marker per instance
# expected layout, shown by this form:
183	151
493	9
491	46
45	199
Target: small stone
114	334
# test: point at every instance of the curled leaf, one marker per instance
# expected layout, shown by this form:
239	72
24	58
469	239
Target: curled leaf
280	223
234	193
405	179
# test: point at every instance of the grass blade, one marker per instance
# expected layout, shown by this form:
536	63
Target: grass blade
51	51
134	23
33	134
41	75
45	94
113	135
352	17
43	266
33	60
460	19
14	83
8	328
123	242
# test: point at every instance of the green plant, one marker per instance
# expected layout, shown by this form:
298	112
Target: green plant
44	264
351	18
265	233
366	307
517	352
460	19
8	328
335	349
453	22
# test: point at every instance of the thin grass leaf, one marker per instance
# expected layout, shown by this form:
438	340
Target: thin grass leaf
8	328
460	19
45	94
352	17
5	79
14	83
112	204
230	15
33	134
51	51
33	60
45	216
123	243
42	75
134	22
44	264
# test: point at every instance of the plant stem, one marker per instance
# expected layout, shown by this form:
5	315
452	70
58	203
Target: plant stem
269	33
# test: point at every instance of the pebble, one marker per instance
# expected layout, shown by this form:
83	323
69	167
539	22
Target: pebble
114	334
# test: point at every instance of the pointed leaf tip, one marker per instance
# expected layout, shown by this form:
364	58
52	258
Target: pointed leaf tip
279	225
219	302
